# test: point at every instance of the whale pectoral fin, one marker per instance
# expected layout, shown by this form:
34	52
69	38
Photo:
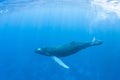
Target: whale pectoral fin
60	62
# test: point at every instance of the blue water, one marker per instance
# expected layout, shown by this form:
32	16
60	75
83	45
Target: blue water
24	28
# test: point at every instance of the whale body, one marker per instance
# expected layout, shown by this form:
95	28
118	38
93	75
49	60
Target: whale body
66	50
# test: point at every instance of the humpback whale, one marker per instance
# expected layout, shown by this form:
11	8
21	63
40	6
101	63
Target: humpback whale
66	50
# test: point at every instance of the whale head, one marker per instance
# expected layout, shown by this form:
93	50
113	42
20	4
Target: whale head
39	51
42	51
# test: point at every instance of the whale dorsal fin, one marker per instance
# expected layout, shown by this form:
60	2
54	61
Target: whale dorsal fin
72	43
60	62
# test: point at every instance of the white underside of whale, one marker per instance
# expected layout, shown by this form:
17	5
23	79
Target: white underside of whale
60	62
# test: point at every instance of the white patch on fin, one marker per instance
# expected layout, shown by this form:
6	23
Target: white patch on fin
60	62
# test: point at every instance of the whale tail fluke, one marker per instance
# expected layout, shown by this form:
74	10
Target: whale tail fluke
96	42
94	39
60	62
